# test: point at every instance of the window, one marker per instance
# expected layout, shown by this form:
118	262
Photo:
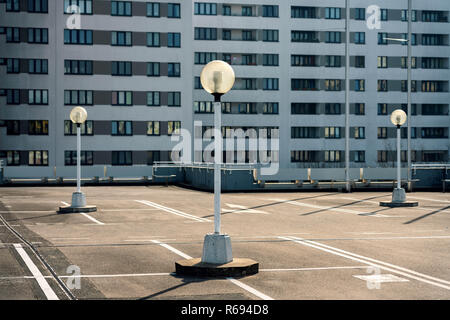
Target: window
333	61
382	132
303	84
303	61
433	16
174	40
153	69
270	59
360	61
12	96
359	156
38	66
332	156
120	8
360	85
413	15
270	84
173	10
122	98
78	97
382	109
13	158
382	156
247	11
86	128
383	14
38	127
37	97
432	39
74	36
153	39
12	5
84	6
173	127
173	70
360	109
404	85
205	57
382	85
70	158
205	34
38	35
121	68
12	65
152	157
434	109
413	109
360	14
302	156
270	35
332	13
38	158
432	86
153	128
121	128
332	85
270	108
360	37
404	133
122	158
209	9
270	11
382	37
121	38
12	34
226	10
303	12
12	127
303	108
38	6
332	133
153	9
203	107
153	98
197	83
248	35
247	108
433	133
332	108
303	36
249	60
432	63
174	99
382	62
226	34
304	133
360	132
333	37
79	67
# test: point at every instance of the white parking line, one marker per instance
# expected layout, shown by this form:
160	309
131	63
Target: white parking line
234	281
173	211
340	210
425	199
372	262
312	269
48	291
86	215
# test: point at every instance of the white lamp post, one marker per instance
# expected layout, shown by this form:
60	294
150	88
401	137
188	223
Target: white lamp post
78	116
217	78
398	118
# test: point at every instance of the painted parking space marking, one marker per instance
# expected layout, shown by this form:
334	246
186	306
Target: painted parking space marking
340	210
373	262
236	208
425	199
48	291
173	211
232	280
85	215
380	278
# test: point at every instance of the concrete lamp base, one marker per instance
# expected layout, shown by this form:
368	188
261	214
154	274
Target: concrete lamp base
217	260
399	200
78	205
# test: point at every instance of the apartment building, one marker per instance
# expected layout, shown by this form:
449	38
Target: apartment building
135	67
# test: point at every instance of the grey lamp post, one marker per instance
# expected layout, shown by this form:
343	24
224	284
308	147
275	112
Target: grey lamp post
398	118
217	78
78	116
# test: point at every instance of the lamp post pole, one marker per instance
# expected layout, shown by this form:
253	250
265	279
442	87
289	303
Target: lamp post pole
408	152
347	96
398	157
217	161
78	157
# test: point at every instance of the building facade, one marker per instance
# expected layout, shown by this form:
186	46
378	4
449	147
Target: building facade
135	67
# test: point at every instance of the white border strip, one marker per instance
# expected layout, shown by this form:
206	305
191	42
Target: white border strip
234	281
86	215
48	291
173	211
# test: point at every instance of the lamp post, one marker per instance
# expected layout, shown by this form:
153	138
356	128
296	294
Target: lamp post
398	118
217	78
78	116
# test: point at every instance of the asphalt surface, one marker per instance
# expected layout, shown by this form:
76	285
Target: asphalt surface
309	245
